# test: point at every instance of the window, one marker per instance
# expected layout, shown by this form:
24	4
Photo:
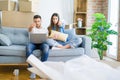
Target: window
113	17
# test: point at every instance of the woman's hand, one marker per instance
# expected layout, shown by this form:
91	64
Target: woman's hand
59	23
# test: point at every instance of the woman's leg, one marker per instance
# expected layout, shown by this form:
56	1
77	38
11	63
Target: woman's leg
52	42
45	51
65	45
73	43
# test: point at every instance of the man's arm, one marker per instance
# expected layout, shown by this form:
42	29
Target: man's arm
30	27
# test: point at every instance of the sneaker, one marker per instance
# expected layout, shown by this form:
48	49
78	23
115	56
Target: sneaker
32	76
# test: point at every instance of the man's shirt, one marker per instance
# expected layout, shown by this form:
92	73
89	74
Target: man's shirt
39	30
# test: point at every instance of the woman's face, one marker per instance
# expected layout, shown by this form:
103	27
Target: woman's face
55	19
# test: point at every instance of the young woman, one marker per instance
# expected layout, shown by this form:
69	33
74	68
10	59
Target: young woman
57	25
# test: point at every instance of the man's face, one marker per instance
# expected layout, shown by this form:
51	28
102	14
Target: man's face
37	22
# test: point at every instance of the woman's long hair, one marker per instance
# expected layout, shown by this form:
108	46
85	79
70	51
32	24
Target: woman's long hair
52	24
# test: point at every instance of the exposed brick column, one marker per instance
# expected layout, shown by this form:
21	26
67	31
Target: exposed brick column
105	8
94	6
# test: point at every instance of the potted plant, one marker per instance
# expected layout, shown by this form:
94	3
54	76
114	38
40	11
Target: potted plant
99	33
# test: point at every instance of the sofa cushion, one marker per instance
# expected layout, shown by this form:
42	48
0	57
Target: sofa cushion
61	58
13	50
4	40
17	50
66	52
18	36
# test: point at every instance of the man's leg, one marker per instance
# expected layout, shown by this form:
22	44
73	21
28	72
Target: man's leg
29	49
45	51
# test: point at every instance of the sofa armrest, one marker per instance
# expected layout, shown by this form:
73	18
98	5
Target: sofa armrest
86	43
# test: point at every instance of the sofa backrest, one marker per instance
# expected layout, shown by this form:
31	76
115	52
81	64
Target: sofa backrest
18	36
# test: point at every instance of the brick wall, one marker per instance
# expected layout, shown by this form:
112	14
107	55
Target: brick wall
105	8
94	6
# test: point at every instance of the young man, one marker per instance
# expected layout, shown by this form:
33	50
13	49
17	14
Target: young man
37	28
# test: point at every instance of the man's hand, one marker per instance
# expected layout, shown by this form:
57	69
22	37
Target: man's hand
31	26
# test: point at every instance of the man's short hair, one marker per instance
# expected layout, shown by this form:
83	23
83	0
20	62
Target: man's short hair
37	16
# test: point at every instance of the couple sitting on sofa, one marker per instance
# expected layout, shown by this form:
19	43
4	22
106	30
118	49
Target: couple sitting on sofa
55	29
55	26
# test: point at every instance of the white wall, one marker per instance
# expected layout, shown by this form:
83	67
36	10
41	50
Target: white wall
63	7
48	7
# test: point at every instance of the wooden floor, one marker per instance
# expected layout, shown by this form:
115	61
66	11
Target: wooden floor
6	73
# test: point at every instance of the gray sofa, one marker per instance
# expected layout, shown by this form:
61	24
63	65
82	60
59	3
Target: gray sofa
14	51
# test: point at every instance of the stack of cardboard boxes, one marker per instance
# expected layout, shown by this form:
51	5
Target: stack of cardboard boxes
21	18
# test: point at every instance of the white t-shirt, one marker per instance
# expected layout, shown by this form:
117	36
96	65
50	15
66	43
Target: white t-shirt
39	30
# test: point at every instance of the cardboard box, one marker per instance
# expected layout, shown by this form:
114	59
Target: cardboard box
29	0
28	6
16	19
7	5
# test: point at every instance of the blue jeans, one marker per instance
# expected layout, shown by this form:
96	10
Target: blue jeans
43	47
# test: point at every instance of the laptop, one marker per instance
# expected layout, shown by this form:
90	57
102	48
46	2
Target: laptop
37	37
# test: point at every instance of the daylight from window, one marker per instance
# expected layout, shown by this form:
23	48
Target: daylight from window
113	16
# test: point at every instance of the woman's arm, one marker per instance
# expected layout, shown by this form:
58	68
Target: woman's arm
61	27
